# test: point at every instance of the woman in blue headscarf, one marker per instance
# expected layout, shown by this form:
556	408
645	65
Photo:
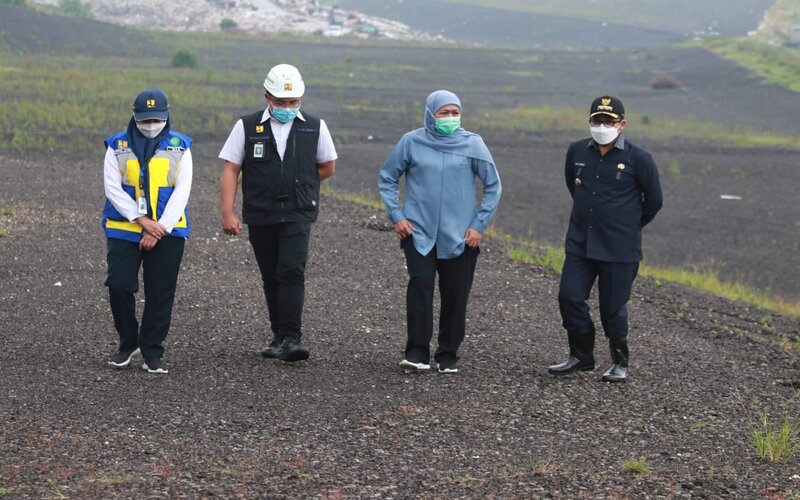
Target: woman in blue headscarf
147	177
438	224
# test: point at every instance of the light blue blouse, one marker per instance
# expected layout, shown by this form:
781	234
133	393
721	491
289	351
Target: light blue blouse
440	199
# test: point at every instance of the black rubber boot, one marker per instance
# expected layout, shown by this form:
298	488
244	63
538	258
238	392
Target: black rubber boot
581	354
618	371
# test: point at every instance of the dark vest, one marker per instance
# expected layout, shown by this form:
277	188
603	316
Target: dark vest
276	191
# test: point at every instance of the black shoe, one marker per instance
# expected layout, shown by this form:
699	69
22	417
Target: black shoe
154	365
571	365
122	358
618	371
273	349
292	350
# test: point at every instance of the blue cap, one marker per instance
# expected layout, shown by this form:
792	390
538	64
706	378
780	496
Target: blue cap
150	104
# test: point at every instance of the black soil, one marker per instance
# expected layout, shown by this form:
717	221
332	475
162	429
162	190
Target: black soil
348	422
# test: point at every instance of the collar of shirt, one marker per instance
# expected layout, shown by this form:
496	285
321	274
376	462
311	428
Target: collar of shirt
266	116
619	145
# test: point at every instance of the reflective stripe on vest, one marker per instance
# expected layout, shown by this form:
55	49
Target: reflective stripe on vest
162	173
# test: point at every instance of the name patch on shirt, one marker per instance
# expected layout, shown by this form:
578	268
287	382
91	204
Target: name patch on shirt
302	129
579	164
170	148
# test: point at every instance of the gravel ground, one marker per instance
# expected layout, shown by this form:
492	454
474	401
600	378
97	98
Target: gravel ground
349	422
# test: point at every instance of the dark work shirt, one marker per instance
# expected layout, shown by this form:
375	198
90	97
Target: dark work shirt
614	197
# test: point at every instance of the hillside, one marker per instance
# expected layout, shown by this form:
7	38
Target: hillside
577	24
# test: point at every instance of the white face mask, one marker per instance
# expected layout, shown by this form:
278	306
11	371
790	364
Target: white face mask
151	130
604	135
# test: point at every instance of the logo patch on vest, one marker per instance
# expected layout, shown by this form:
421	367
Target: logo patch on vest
175	141
259	129
122	144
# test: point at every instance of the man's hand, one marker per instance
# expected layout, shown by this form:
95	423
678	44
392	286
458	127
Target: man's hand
403	229
152	227
472	238
148	242
231	224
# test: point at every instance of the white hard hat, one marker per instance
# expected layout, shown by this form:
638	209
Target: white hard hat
283	81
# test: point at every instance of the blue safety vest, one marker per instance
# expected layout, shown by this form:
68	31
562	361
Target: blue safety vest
162	171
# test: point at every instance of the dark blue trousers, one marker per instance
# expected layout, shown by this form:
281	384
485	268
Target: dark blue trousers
614	282
161	266
455	282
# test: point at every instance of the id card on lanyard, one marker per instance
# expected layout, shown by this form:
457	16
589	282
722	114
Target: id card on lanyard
142	201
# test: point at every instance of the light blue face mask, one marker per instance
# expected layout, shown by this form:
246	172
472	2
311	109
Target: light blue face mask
285	115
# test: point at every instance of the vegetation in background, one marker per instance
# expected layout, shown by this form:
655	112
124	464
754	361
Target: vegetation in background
665	81
708	281
227	24
75	8
184	58
13	2
551	257
638	466
659	128
777	65
776	443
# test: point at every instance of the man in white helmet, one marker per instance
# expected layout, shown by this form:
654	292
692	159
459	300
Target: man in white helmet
282	155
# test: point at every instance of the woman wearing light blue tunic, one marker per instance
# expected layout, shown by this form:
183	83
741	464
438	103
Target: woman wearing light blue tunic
439	223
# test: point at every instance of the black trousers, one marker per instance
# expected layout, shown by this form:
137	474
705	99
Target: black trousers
161	266
614	283
455	282
281	251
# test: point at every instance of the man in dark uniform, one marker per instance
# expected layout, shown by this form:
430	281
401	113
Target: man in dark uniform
615	191
282	155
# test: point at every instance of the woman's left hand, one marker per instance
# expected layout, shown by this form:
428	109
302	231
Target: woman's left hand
148	242
473	238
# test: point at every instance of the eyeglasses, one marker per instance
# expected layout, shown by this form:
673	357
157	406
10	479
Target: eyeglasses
285	102
606	122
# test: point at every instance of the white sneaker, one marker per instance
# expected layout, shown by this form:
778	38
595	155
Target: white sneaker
410	365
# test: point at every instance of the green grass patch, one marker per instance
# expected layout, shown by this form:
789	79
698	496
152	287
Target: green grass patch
7	211
551	257
542	255
777	65
674	169
5	491
776	443
3	234
358	199
658	128
708	281
636	466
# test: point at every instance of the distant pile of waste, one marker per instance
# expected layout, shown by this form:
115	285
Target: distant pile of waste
253	16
